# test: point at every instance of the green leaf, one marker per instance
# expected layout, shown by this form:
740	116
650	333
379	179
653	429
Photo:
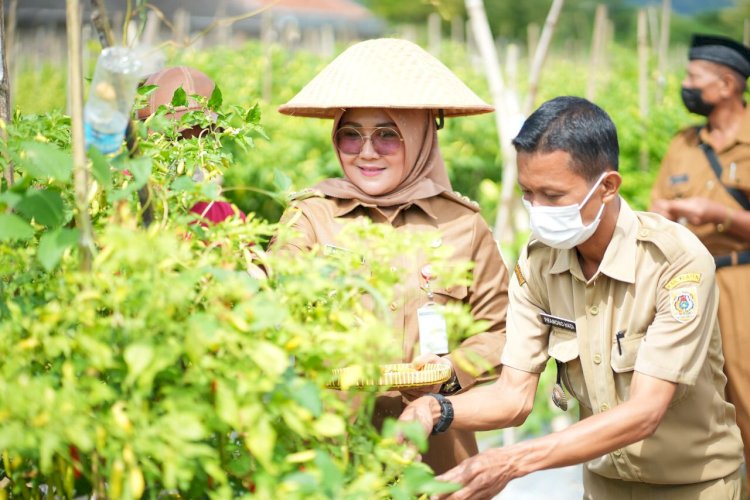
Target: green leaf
137	357
44	206
281	180
262	440
100	168
329	425
44	161
147	89
216	99
140	169
183	183
211	190
253	115
12	227
10	198
307	395
179	98
52	246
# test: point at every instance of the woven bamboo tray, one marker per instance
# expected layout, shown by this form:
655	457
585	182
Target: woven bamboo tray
395	376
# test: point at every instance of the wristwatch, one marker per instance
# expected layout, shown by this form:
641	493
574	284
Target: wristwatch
450	386
446	414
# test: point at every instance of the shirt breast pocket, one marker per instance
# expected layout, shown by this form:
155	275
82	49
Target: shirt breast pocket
623	358
563	347
455	293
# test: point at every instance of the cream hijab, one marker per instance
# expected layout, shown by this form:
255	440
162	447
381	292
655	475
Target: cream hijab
427	176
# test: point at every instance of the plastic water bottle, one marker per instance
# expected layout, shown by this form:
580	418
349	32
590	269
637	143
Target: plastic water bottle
107	110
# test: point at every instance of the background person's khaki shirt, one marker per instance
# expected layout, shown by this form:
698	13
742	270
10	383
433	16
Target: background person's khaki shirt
319	219
656	287
685	172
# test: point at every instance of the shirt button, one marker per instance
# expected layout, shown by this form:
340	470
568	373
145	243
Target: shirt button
597	359
594	310
393	306
643	233
604	407
617	453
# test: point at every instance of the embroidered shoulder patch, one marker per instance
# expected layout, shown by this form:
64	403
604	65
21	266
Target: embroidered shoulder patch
519	275
683	303
683	278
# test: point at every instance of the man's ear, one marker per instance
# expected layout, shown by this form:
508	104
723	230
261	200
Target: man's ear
611	183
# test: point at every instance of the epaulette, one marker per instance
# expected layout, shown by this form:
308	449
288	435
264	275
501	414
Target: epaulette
305	194
462	199
664	240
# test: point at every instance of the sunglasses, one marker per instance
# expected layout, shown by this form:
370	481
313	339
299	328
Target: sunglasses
385	140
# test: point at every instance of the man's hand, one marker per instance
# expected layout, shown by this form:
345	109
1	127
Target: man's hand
425	410
696	211
419	362
482	476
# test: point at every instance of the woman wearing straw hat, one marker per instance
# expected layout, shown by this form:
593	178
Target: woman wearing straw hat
385	97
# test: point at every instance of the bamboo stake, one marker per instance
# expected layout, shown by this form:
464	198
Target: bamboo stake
643	81
10	46
75	96
507	121
434	35
666	9
746	32
5	93
540	54
597	42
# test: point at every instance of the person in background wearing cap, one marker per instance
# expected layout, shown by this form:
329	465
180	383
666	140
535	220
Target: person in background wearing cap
193	82
385	97
704	182
625	302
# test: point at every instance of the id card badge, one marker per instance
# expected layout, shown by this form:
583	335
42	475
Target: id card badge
433	331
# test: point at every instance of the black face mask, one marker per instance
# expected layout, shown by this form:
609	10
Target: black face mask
694	102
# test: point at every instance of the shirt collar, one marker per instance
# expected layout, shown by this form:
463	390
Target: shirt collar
619	257
344	207
743	134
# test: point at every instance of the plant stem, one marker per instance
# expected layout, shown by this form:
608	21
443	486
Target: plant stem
80	172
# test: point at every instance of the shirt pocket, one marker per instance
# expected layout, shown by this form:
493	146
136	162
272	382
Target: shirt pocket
563	347
455	293
623	366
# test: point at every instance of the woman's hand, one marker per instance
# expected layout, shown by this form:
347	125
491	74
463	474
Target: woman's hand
419	362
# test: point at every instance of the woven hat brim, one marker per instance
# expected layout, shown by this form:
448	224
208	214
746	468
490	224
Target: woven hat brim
385	73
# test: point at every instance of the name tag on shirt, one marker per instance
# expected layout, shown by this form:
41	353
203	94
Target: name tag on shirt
433	331
678	179
563	323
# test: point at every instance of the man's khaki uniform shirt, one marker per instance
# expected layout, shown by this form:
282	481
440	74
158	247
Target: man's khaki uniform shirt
686	172
319	219
655	287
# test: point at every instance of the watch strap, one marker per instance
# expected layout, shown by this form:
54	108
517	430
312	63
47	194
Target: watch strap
446	414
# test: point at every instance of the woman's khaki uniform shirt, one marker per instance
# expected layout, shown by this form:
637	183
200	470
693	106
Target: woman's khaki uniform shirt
319	219
650	308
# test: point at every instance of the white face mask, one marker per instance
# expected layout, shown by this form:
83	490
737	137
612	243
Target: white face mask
562	227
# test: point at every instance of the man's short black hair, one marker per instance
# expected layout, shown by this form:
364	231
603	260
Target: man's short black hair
574	125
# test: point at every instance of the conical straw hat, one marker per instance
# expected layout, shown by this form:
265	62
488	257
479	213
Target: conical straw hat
385	73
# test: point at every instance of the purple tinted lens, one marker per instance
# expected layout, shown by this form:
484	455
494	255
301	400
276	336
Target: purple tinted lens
349	141
385	141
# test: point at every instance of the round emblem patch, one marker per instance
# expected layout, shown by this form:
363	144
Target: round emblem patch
684	303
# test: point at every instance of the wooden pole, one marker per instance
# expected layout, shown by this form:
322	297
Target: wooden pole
75	98
457	30
508	119
5	113
643	82
434	33
10	47
666	10
532	39
746	32
540	54
597	50
266	36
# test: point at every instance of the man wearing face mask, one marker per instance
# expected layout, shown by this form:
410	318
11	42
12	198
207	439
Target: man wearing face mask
625	302
704	182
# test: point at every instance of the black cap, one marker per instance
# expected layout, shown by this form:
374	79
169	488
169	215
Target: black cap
721	50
